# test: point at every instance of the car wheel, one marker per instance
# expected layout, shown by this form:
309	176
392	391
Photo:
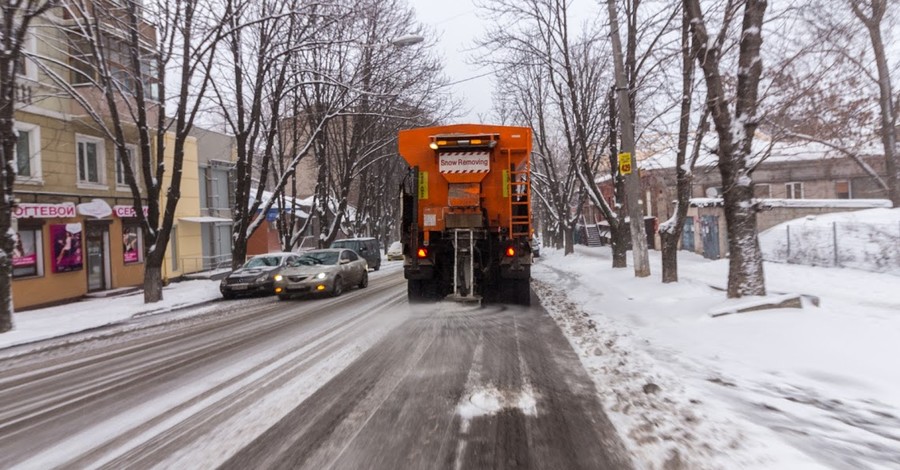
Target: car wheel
338	288
364	282
284	297
377	266
228	295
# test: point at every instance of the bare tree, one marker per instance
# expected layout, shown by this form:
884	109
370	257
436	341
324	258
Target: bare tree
872	14
382	85
735	131
671	230
120	63
265	38
16	18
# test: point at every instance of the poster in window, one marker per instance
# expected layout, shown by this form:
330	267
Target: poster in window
24	253
67	253
130	244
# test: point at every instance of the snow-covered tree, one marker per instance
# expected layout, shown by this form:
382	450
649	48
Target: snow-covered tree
735	127
16	18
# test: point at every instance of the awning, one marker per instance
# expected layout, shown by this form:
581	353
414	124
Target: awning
205	219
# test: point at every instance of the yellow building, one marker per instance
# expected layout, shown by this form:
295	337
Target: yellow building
185	244
75	221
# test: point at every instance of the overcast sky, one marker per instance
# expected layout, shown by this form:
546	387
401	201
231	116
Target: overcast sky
456	25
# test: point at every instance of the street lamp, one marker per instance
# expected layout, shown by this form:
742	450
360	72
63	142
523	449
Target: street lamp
407	40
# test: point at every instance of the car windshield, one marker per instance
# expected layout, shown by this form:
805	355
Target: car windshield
263	262
318	257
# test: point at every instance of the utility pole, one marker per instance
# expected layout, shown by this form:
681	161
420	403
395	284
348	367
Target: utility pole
627	162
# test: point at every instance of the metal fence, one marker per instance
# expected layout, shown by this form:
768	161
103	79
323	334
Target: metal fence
866	246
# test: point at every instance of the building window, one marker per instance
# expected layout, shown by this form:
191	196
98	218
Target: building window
794	190
132	243
217	186
24	67
91	160
28	253
842	190
762	191
130	152
28	153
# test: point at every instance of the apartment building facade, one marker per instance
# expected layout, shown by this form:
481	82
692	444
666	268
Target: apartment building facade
75	221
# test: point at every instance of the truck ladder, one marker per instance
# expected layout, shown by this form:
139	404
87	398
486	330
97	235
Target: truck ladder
519	196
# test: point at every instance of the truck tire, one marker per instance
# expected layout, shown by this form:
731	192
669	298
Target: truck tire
414	291
522	289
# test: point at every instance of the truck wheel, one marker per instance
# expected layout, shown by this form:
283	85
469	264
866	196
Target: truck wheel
414	291
523	292
228	295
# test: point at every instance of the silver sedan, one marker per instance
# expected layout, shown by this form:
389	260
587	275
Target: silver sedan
328	271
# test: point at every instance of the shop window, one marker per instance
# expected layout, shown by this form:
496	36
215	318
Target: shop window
793	190
28	253
28	153
132	243
842	190
91	160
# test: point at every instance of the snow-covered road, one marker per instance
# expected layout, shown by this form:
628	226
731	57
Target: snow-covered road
358	381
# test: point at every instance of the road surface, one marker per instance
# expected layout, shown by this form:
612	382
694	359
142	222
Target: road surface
359	381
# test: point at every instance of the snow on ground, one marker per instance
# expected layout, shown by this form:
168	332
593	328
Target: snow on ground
788	388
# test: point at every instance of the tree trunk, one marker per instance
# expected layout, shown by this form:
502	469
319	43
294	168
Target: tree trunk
669	242
153	285
745	269
569	237
238	252
7	154
618	235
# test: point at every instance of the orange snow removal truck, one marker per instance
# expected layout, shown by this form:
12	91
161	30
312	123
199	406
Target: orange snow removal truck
466	213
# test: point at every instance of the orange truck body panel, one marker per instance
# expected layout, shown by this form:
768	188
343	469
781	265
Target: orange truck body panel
447	191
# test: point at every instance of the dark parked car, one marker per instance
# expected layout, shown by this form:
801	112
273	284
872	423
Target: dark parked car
366	248
256	276
329	271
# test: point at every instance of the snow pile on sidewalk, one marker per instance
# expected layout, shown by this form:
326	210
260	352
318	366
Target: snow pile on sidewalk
785	388
867	240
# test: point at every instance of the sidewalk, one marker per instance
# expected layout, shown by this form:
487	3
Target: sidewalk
86	314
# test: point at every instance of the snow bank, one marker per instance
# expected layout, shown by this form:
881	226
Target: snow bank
785	388
868	240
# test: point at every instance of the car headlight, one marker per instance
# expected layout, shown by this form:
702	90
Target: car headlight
321	276
278	277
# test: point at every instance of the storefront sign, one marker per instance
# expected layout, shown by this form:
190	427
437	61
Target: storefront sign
97	208
44	211
125	212
67	251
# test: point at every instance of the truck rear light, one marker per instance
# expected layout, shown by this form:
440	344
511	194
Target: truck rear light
510	252
422	253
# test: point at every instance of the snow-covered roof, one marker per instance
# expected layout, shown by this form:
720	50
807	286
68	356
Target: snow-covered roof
781	151
770	203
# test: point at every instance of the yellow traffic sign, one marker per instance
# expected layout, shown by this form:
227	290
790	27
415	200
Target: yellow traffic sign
624	163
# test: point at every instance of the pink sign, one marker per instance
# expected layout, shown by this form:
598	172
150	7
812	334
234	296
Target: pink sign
44	211
127	211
